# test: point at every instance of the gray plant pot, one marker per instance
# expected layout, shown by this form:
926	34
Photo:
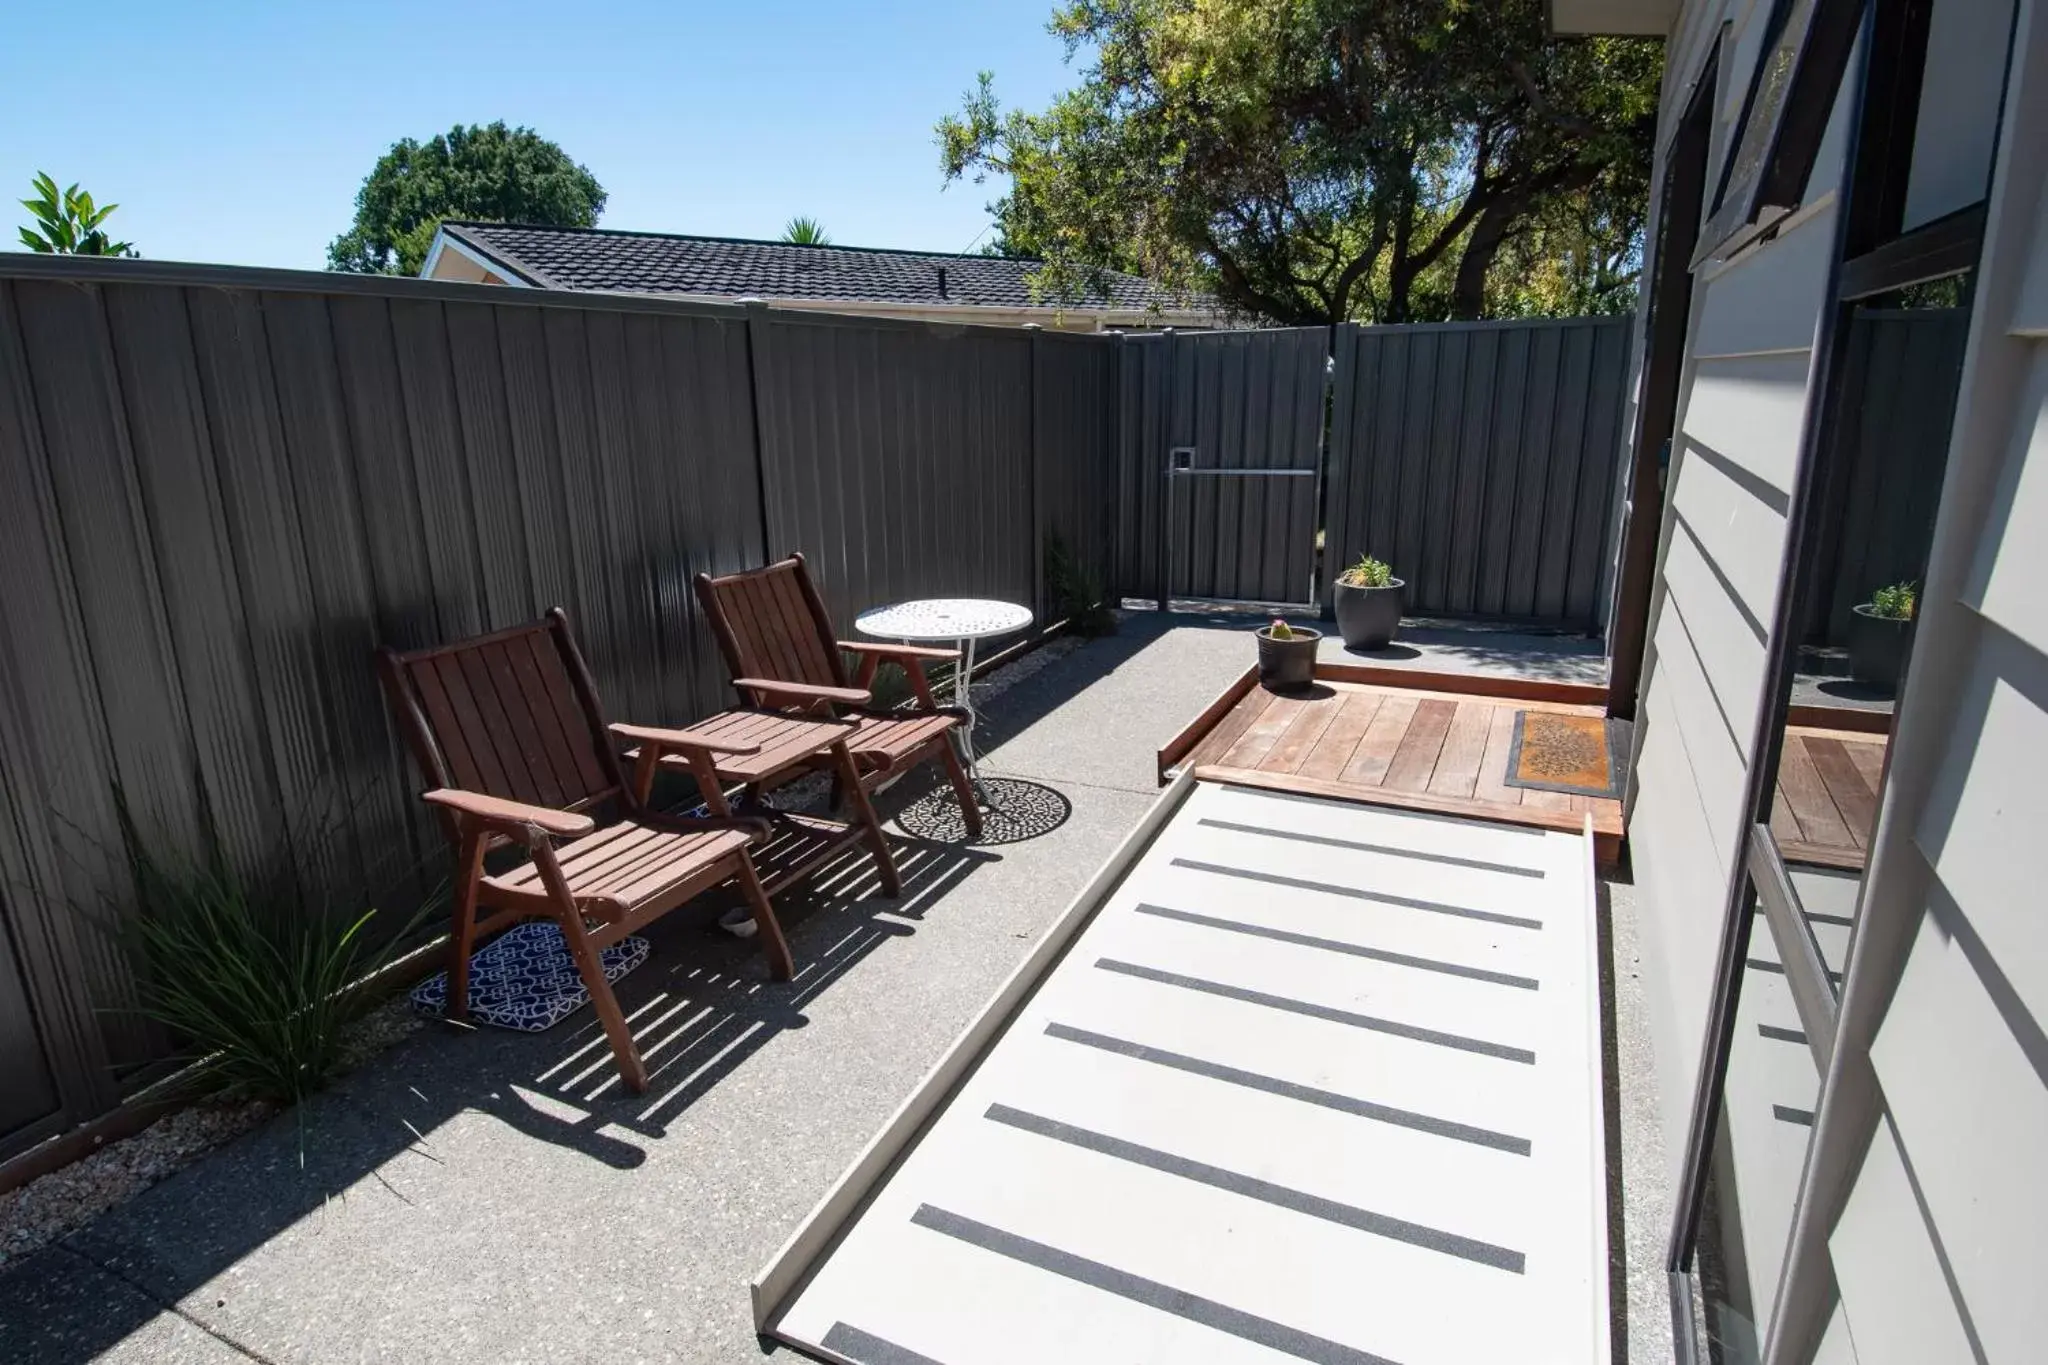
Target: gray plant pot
1878	647
1368	617
1285	665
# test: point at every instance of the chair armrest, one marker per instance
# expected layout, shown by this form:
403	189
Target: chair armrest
680	739
889	651
514	818
769	687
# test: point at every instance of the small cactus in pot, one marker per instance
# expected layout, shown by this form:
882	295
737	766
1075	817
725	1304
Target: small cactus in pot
1287	655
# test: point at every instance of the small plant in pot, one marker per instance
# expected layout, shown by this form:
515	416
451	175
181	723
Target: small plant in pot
1880	633
1368	604
1287	656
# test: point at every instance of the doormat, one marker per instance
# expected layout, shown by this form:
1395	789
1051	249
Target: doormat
1581	755
524	979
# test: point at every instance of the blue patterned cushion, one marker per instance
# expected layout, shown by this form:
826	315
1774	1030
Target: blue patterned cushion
525	979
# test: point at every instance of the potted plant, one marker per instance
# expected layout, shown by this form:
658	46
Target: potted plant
1368	604
1880	633
1287	655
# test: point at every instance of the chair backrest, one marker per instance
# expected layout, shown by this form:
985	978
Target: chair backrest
511	714
771	623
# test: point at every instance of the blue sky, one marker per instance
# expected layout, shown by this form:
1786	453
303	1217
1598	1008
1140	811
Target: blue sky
241	132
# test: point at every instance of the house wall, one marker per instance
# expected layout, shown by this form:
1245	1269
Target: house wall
1749	359
1920	1218
1925	1224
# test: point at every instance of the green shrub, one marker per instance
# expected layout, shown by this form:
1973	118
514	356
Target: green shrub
256	981
1367	573
1076	592
1898	602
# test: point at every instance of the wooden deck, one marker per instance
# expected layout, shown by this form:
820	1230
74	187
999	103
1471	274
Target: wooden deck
1825	804
1429	742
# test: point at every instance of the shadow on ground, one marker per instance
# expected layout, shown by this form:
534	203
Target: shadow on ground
480	1164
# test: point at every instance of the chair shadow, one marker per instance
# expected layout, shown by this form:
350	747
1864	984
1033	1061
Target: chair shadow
700	1009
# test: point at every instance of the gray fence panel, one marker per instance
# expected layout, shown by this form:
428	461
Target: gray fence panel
1905	365
1074	426
1241	400
1478	459
219	490
898	459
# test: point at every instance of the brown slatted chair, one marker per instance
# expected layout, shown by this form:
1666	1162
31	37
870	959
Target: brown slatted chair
777	640
507	731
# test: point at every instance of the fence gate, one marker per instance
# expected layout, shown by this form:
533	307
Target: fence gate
1219	448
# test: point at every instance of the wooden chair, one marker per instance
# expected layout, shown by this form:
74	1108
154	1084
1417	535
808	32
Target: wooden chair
777	640
507	731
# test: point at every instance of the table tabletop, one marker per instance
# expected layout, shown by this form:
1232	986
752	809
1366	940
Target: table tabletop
943	618
784	739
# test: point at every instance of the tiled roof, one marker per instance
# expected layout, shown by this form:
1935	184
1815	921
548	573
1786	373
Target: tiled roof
655	263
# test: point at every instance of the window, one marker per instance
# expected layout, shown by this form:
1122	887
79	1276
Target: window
1790	96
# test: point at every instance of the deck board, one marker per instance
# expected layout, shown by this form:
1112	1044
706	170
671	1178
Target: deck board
1419	748
1354	715
1457	766
1824	808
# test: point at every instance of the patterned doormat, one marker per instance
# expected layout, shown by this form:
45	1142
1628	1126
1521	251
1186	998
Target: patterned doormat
525	979
1582	755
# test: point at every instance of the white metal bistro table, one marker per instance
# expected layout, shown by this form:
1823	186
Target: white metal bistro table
962	621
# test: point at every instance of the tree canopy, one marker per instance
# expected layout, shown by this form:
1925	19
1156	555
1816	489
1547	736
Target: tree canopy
487	172
1312	161
68	223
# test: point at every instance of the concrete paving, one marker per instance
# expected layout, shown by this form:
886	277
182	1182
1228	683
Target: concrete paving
477	1195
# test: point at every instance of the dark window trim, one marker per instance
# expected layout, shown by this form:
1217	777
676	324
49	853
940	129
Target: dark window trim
1884	160
1798	121
1946	246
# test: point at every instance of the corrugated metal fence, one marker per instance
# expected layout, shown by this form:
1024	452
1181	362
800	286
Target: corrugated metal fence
1480	460
1905	366
219	489
1231	401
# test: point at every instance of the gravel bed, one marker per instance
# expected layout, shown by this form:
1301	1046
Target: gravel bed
65	1200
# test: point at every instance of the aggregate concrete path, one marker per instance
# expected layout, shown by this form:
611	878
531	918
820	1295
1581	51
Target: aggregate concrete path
485	1196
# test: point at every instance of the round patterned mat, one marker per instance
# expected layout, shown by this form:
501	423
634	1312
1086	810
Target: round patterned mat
1023	810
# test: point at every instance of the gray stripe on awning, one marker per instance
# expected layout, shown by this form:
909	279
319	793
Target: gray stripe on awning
1235	1322
1300	1201
1328	842
1307	1094
1426	964
1313	1011
1353	893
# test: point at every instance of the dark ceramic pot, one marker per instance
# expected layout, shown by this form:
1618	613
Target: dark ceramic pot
1286	665
1877	647
1368	617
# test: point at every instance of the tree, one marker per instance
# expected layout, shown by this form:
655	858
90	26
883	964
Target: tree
68	222
1312	161
802	231
488	172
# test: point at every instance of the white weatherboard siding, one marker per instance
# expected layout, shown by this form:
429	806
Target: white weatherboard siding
1741	413
1929	1211
1318	1081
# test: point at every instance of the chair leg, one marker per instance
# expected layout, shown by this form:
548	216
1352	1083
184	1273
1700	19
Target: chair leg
870	823
774	946
970	809
461	943
588	966
591	968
